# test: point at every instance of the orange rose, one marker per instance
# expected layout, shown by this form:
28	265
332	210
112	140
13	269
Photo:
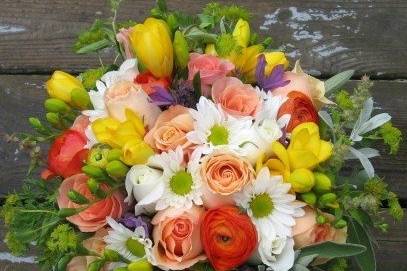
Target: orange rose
308	232
176	236
94	244
94	217
236	98
224	174
301	109
127	95
228	237
170	130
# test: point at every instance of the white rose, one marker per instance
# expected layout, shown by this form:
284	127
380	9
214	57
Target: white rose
277	253
141	181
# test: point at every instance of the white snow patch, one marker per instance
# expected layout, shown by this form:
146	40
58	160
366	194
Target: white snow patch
328	50
6	256
11	29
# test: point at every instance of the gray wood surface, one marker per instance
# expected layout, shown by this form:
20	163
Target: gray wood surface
329	35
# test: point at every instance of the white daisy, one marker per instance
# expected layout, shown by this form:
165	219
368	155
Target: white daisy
131	245
270	206
180	186
214	129
127	72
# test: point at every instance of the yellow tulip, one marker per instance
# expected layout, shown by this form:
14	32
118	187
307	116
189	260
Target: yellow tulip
306	149
245	61
61	84
136	151
152	45
241	33
273	59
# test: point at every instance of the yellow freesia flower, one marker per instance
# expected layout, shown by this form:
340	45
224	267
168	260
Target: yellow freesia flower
136	151
306	149
245	61
152	45
273	59
61	84
241	33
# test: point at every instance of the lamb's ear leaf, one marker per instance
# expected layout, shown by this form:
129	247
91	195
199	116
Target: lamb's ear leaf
333	250
337	81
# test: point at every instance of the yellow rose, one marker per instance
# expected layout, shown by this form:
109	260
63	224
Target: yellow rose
61	84
152	44
241	33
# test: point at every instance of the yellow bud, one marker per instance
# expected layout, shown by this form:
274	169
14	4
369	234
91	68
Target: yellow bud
241	33
211	50
322	183
136	151
273	59
152	44
61	84
302	180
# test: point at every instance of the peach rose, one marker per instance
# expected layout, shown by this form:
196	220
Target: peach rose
236	98
126	94
94	217
308	232
94	244
176	235
211	68
170	130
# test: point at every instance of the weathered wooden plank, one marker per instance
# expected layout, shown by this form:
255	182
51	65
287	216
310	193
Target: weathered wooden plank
329	36
22	96
390	251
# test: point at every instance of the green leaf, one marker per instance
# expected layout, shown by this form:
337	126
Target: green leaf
196	83
94	47
361	216
337	81
357	234
333	250
202	266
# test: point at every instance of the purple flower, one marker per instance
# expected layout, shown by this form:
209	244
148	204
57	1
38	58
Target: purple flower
132	222
161	97
274	80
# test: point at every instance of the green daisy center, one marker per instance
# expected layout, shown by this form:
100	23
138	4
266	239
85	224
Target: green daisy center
135	247
261	205
219	135
181	183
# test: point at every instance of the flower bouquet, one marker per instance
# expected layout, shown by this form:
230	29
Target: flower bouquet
199	148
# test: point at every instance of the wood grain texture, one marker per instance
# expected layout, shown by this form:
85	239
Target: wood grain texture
329	36
22	96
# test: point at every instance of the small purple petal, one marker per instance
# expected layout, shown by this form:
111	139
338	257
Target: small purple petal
274	80
132	222
261	65
161	96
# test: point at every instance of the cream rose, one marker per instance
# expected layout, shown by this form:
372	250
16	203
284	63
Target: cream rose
126	94
224	173
176	235
170	130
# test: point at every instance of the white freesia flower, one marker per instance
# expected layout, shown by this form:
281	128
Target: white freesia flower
180	185
214	129
127	72
141	180
132	245
270	205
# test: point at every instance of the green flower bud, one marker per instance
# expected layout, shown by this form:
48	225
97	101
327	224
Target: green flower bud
114	154
339	224
321	219
327	200
80	99
181	50
121	269
66	212
141	265
172	22
135	247
53	119
95	189
96	265
116	169
322	183
98	156
302	180
77	197
56	106
94	172
35	123
309	198
111	255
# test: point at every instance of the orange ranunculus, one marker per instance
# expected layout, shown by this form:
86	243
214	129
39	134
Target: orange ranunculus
301	109
228	237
